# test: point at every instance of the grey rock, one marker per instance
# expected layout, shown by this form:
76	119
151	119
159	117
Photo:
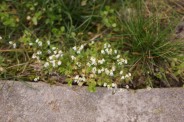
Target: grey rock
41	102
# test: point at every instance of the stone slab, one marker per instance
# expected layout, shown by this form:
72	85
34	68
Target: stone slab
41	102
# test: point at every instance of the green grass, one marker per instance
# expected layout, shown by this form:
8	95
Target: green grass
151	48
141	31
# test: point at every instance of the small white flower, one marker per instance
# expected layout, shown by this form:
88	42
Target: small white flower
88	64
76	77
60	52
39	52
113	68
120	63
83	79
55	52
53	48
94	70
39	43
48	42
34	56
101	61
111	73
105	84
110	52
28	18
10	42
102	69
14	45
125	61
81	47
59	63
99	71
49	51
78	51
37	40
74	48
51	57
53	63
78	64
36	79
114	85
93	61
57	56
129	74
109	46
127	86
73	57
107	50
60	55
46	64
122	77
1	37
107	71
115	51
109	87
102	52
118	56
121	72
30	43
105	45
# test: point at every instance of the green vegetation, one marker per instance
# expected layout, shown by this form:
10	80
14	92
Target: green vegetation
108	43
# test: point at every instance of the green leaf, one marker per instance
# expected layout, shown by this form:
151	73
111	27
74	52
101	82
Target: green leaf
92	85
34	20
69	81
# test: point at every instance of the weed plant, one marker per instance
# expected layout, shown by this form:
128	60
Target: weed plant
95	43
151	49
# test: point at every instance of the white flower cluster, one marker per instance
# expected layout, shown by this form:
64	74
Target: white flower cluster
78	49
109	86
121	60
39	42
13	44
93	61
101	61
79	79
96	65
54	59
125	76
108	50
73	57
78	64
39	52
36	79
37	55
